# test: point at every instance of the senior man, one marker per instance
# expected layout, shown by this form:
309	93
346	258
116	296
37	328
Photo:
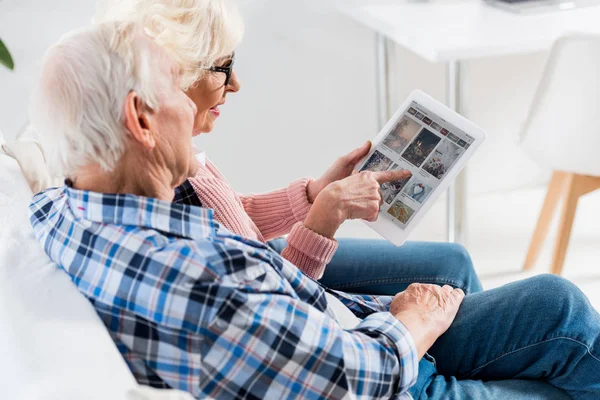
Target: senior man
192	306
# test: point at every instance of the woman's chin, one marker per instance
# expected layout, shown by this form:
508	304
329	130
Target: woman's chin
205	129
199	131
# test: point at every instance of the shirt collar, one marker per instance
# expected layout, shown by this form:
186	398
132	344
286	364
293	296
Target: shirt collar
126	209
200	155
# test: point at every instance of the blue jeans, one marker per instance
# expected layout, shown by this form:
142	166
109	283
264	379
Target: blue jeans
526	340
520	341
373	266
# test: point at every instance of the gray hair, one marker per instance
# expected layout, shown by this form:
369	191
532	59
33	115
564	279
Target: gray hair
196	33
78	103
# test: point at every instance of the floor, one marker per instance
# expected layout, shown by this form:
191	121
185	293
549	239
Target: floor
500	227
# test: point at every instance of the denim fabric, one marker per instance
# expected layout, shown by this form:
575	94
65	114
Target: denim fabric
374	266
520	341
534	339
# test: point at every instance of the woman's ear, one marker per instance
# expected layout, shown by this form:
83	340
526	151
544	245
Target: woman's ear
138	121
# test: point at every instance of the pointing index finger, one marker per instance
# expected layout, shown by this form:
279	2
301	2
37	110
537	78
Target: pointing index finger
390	176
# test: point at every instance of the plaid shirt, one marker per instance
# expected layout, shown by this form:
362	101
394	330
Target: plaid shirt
195	307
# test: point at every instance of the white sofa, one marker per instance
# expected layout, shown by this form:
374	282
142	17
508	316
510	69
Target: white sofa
53	346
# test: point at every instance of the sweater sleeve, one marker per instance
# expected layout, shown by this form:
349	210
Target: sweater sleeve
309	251
276	212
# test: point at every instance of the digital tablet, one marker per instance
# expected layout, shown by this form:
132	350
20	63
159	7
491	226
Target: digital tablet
434	143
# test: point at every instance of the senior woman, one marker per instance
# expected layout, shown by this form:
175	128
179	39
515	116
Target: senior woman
184	27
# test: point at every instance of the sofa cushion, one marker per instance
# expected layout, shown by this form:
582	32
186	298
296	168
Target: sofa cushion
147	393
30	158
29	153
52	343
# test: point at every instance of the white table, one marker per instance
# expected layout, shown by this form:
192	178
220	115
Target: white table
452	31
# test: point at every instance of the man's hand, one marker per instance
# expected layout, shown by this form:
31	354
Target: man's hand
355	197
427	311
341	168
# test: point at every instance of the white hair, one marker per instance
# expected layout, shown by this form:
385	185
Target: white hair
78	104
196	33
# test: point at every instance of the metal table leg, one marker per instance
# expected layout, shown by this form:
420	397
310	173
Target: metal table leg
457	201
456	216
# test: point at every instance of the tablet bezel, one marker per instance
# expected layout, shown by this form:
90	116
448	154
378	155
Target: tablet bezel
386	227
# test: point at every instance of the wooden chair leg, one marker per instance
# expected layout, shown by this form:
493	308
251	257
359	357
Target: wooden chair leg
576	186
555	191
566	223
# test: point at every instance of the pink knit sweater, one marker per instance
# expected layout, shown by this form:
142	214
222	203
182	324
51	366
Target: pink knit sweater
267	216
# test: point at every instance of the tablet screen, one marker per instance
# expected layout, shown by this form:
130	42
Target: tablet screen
423	143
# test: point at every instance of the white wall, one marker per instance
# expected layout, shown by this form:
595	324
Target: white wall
308	92
307	95
308	85
28	28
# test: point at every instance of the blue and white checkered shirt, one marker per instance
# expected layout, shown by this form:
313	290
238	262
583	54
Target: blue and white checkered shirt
195	307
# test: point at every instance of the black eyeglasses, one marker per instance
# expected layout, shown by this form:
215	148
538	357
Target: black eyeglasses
226	69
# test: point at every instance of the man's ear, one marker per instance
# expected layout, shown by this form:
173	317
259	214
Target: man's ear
137	121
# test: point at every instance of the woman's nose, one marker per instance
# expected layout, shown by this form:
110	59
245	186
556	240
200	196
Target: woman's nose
234	83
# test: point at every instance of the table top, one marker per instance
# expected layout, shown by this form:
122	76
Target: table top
454	30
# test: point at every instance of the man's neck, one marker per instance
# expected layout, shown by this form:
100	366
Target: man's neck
131	176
